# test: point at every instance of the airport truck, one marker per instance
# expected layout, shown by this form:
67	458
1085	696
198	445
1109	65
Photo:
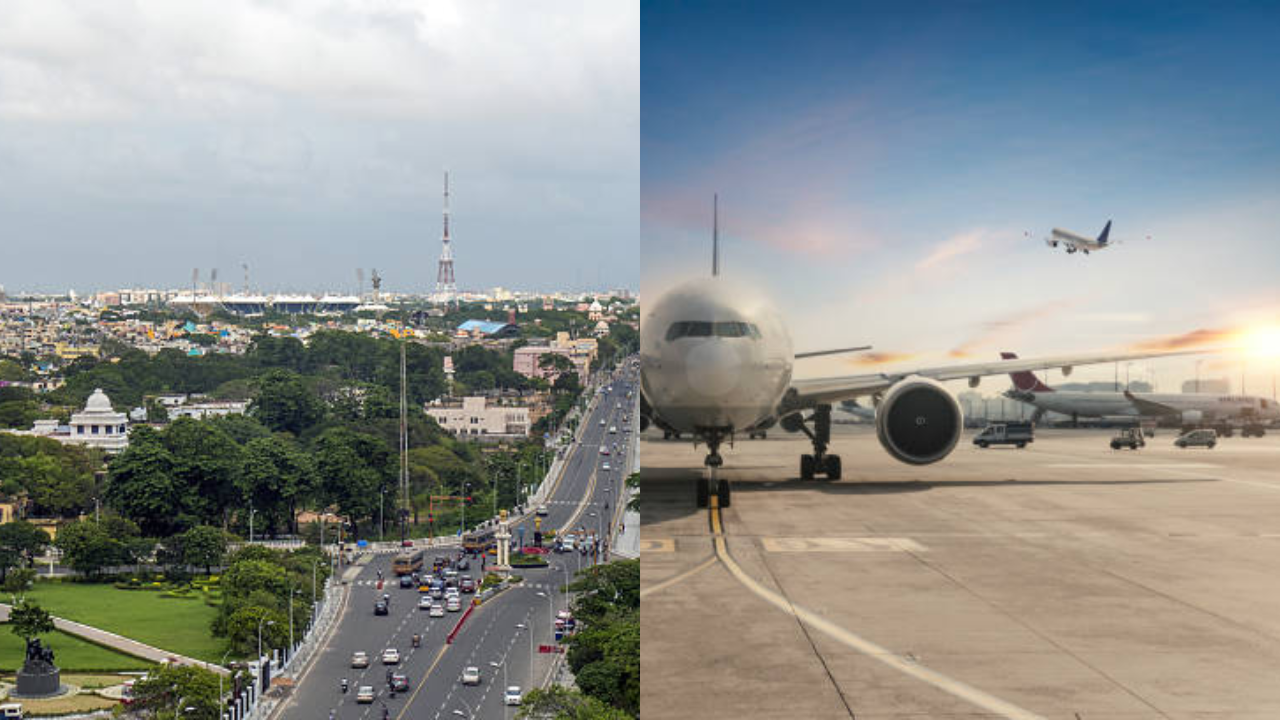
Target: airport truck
1130	438
1008	433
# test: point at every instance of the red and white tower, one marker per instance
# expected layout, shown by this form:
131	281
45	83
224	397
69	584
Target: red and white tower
446	288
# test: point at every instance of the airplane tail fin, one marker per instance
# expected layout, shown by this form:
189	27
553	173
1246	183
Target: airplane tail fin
1025	380
1102	239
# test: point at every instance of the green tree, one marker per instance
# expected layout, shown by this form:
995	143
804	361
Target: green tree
285	403
20	542
28	620
561	703
206	466
177	691
274	477
140	484
18	581
204	546
88	548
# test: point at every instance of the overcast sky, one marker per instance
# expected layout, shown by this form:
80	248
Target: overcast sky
142	139
878	170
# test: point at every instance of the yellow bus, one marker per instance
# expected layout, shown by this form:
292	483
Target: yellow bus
407	563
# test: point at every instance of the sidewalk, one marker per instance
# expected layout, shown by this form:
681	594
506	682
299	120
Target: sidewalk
120	643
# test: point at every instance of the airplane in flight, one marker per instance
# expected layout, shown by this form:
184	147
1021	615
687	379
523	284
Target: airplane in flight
1078	243
1190	409
717	361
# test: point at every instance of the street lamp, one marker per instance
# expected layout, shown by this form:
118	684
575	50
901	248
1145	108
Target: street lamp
529	627
551	619
222	663
269	624
469	714
462	524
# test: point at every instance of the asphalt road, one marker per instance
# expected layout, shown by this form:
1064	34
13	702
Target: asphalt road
491	635
1063	581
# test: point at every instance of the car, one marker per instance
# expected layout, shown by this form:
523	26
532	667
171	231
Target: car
604	449
602	422
511	696
1202	437
359	659
450	574
391	656
463	564
424	602
613	429
542	511
400	683
453	604
437	593
364	694
467	585
1130	438
471	675
437	610
381	608
406	581
605	467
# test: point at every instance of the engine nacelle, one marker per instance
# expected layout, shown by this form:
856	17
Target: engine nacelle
644	423
1192	417
918	421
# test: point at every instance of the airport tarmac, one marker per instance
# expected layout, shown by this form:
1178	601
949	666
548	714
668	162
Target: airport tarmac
1066	580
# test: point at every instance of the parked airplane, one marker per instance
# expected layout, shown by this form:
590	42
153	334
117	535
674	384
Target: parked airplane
1188	408
1073	242
716	360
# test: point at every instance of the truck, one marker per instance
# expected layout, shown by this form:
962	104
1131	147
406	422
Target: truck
1006	433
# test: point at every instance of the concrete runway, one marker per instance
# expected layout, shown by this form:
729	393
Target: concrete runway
1065	580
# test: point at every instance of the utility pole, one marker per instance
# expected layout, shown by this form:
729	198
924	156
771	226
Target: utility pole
404	449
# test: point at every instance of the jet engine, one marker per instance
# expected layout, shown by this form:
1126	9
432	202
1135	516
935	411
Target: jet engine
918	421
1192	417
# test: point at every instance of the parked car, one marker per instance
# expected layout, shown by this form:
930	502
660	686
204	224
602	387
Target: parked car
1202	437
1130	438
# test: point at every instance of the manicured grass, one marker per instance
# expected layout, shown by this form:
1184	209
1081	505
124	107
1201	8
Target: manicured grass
177	625
70	654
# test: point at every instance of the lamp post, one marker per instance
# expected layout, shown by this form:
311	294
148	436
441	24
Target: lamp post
269	624
221	662
251	511
528	626
551	618
462	523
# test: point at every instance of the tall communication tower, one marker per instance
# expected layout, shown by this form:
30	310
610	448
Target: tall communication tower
445	285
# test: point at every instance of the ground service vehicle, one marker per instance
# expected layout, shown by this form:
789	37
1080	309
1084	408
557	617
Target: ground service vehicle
1203	437
1130	438
407	563
1010	433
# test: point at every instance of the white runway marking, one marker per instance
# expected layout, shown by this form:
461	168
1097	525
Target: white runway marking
839	544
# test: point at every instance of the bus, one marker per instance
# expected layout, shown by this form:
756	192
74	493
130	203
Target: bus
478	541
407	562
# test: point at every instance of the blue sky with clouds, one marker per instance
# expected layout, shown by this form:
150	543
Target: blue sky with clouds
879	169
142	138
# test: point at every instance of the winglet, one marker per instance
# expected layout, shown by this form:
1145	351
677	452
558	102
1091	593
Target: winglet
1102	239
1025	380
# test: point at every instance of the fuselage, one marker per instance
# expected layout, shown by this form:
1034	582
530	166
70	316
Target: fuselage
1066	237
714	357
1113	404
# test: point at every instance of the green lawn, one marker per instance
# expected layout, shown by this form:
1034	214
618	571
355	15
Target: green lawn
70	654
177	625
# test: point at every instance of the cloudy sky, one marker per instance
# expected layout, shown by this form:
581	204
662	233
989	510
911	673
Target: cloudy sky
888	177
141	139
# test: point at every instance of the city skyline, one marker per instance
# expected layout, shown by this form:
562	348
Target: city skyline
142	141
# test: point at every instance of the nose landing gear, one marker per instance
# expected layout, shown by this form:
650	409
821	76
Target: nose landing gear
711	483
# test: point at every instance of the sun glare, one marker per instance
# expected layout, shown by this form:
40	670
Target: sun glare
1263	342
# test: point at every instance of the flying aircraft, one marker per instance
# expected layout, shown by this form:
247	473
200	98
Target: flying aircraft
1078	243
717	361
1188	408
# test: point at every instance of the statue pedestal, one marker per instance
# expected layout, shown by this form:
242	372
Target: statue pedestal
34	683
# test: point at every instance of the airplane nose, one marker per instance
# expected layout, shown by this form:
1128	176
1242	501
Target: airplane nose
713	369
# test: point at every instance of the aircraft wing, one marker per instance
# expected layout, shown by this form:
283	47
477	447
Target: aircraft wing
809	392
1147	407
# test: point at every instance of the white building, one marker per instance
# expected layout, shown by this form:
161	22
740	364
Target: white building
475	417
212	408
98	425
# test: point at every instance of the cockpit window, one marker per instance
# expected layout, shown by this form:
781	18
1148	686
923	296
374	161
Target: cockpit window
697	328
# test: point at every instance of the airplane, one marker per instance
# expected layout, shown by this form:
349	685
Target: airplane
716	361
1189	409
1073	242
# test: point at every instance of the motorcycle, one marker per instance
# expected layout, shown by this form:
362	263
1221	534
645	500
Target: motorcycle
345	685
417	640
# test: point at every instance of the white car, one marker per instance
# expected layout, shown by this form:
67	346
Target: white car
542	510
471	676
512	695
364	694
602	422
604	449
391	656
613	429
437	610
359	659
453	604
424	602
605	467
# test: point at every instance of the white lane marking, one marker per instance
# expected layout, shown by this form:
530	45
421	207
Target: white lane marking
841	544
860	644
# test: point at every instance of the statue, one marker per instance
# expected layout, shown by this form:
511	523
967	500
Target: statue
38	677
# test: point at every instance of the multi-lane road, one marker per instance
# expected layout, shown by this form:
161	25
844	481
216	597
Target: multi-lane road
501	637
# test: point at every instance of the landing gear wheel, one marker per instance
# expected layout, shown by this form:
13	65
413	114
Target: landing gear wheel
807	466
833	467
703	492
723	494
